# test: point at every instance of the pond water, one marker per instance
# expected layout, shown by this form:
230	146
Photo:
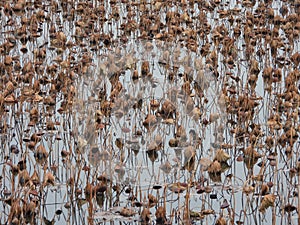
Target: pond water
150	112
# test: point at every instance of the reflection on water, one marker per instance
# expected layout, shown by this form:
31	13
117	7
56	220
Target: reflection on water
149	112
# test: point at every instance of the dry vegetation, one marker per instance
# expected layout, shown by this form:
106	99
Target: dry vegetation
149	111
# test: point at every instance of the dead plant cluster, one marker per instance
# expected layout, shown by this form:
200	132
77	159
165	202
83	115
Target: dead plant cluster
165	111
